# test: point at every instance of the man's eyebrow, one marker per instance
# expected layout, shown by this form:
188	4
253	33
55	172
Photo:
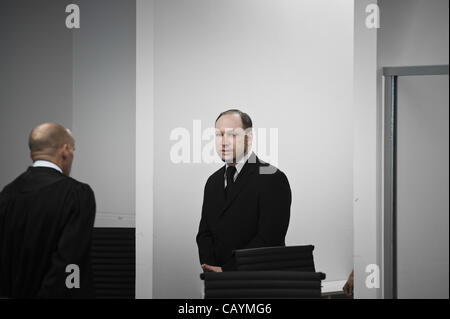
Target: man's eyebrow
229	130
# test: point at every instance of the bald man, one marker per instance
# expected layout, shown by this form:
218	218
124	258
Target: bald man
46	222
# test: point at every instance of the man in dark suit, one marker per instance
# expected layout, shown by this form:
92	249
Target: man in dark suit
246	203
46	222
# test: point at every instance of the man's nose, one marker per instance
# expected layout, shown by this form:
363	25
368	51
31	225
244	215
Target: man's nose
227	141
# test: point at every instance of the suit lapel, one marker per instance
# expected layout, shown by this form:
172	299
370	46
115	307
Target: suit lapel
242	179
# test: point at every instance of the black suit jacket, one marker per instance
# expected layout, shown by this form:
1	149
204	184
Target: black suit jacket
256	214
46	223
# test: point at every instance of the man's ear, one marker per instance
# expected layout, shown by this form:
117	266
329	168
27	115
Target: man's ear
249	136
64	151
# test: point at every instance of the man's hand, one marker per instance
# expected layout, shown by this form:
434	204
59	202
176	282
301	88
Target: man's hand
208	268
348	288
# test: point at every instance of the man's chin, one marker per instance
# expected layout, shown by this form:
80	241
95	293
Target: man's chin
227	159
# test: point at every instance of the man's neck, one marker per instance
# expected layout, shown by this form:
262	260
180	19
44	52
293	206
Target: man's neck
242	159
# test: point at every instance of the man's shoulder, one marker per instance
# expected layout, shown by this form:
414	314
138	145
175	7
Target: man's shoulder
8	188
72	183
29	181
269	172
80	191
217	175
80	186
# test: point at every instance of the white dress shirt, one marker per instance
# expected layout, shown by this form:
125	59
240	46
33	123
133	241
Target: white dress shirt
47	164
238	166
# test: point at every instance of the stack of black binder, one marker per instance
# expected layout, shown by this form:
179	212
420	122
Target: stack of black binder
270	272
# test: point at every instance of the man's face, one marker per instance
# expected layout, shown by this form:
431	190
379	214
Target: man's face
231	140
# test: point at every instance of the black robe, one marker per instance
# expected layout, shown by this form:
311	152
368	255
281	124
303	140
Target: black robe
46	223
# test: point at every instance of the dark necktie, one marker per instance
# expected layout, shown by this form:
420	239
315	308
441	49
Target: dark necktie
231	170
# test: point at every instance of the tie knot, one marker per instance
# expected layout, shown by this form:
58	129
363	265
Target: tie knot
230	171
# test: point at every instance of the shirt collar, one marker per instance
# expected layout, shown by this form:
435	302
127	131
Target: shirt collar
48	164
240	164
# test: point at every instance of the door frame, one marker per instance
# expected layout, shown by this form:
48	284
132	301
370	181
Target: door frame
391	76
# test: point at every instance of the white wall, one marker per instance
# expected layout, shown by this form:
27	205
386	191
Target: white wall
412	32
289	65
423	187
144	148
416	32
83	79
104	101
35	77
367	153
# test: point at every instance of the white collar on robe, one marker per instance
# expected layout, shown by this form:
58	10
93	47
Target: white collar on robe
48	164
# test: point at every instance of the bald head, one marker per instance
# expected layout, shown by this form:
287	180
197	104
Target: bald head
52	142
48	137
